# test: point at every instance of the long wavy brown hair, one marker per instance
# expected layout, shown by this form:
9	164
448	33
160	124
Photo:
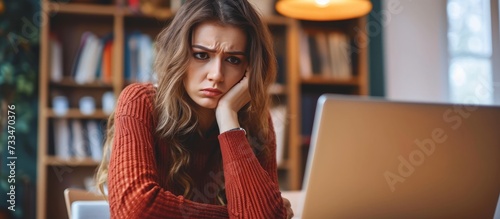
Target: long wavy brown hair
174	110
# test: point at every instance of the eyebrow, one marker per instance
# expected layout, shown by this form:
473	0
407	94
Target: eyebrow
214	51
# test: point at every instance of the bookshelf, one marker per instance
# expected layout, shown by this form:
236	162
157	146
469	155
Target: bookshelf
68	21
310	83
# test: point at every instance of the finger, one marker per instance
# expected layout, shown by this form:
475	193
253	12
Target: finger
288	205
290	213
286	202
247	72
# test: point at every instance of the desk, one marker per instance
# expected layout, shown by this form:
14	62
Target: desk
100	209
297	201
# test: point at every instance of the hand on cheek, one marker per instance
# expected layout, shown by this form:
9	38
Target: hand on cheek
229	104
236	97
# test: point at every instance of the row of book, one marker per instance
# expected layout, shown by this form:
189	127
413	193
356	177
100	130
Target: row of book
139	56
93	61
76	138
82	139
326	54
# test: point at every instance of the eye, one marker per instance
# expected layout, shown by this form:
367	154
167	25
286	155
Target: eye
233	60
200	55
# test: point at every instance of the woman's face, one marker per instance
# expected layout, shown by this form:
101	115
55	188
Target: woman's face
217	62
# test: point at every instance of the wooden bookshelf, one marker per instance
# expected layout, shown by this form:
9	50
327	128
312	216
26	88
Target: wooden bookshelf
80	8
277	89
76	114
74	162
277	20
318	80
69	83
68	21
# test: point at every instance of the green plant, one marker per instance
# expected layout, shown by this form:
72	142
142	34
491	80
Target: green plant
19	42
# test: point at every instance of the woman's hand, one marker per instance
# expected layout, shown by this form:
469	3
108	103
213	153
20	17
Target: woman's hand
236	97
229	105
288	206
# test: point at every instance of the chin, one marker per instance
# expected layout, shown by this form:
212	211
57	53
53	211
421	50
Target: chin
207	104
212	107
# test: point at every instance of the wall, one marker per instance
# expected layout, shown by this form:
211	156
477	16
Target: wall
376	49
415	46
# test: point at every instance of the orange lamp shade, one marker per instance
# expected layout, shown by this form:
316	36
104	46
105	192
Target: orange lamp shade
324	10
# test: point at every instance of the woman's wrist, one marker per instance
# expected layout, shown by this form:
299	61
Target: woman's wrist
227	120
237	129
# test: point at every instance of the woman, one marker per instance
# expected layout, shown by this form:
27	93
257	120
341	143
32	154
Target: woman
200	144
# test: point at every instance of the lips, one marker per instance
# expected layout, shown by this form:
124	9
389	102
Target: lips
211	92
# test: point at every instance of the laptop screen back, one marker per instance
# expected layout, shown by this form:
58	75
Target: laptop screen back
382	159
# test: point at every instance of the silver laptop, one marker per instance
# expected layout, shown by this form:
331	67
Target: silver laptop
381	159
90	210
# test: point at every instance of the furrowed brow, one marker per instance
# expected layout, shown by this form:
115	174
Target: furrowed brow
214	51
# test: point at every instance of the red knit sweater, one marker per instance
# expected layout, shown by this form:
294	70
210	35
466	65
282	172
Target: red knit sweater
138	169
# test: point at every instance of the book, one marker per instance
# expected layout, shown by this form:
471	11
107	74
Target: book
323	53
305	56
278	117
139	56
340	55
145	58
134	5
131	54
314	55
88	60
78	141
327	54
83	41
94	140
107	62
56	58
62	139
103	70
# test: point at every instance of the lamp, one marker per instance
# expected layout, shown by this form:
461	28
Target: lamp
324	10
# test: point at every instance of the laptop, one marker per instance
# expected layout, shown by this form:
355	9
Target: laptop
90	210
373	158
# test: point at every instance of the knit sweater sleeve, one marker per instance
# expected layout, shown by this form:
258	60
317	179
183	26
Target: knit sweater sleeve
252	188
133	180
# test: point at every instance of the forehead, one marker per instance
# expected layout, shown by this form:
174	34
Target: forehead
216	36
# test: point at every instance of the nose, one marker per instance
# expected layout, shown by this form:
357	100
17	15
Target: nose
215	73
